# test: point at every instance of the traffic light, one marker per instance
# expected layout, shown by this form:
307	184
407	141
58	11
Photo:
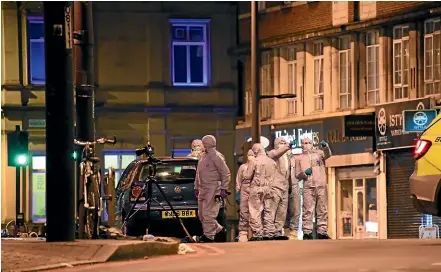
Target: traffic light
18	148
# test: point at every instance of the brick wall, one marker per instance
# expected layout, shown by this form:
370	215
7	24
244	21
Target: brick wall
298	19
388	8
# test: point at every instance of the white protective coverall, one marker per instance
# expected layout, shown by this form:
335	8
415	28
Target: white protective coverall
315	194
212	176
261	171
294	209
243	187
197	149
281	184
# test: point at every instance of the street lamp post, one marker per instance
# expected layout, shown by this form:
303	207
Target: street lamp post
255	90
255	76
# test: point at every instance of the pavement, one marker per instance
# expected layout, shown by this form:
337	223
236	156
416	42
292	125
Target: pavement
269	256
37	255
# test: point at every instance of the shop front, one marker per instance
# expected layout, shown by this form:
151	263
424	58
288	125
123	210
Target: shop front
355	197
403	221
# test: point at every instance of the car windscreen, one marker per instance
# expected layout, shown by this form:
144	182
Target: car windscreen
171	171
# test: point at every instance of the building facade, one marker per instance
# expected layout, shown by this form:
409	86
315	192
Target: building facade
162	73
343	59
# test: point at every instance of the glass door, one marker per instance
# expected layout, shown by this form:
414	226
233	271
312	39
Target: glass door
357	208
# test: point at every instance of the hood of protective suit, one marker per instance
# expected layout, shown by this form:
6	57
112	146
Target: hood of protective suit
197	144
258	149
209	142
279	140
250	153
306	145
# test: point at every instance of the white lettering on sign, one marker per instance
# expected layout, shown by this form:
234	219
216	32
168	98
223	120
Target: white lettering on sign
68	26
299	134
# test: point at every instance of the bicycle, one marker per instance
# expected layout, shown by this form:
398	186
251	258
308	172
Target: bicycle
90	181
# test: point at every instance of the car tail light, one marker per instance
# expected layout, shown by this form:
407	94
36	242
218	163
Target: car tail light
421	148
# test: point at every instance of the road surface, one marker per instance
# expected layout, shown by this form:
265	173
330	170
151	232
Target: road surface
271	256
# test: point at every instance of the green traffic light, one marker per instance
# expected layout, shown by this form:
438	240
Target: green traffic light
22	159
74	155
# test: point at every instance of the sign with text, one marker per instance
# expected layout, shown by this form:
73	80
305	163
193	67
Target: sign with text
417	120
360	125
37	123
339	142
389	123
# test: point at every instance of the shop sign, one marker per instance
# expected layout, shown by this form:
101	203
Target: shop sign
37	123
341	144
389	130
417	120
298	132
360	125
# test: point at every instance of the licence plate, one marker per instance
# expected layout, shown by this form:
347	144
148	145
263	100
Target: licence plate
181	213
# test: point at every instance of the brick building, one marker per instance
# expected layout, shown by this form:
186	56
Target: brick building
349	58
143	93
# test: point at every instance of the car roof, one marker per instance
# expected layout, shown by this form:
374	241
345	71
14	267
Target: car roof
170	159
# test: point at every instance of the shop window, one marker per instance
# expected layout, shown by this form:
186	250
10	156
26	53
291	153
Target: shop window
190	56
319	88
401	62
373	67
291	63
345	82
36	61
38	179
432	57
118	160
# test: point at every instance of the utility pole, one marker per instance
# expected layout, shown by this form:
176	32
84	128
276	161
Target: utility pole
255	73
60	186
84	85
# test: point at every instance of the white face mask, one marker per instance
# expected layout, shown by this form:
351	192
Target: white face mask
307	147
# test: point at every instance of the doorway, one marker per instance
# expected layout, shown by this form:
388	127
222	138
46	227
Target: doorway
357	202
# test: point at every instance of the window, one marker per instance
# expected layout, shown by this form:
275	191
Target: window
266	80
291	62
36	50
261	5
118	160
401	62
345	82
171	171
372	67
432	56
183	152
38	208
190	59
248	102
318	77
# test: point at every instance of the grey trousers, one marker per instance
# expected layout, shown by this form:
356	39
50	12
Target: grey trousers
315	200
294	209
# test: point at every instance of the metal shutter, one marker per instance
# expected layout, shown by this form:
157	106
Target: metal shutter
403	220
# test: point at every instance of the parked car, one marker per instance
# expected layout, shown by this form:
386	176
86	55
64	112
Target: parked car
425	181
176	177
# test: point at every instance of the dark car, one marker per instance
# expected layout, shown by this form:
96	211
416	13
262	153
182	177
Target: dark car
176	177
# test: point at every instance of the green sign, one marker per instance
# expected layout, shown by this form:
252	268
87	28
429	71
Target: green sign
38	197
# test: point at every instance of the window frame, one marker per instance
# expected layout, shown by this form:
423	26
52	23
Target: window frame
248	102
33	20
266	73
401	41
375	48
319	93
206	71
291	103
431	81
348	67
118	152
